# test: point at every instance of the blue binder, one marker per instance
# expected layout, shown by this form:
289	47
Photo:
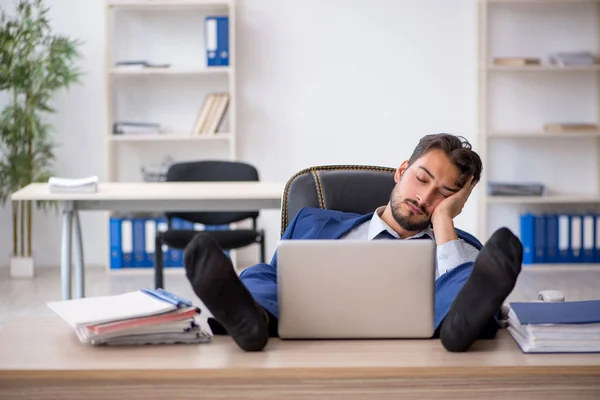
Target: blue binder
175	255
527	238
150	234
552	255
568	312
539	237
161	226
127	242
116	255
217	40
576	242
588	243
139	242
597	239
564	238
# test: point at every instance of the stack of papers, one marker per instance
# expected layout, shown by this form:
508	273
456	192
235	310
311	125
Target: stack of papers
516	189
66	185
135	318
556	327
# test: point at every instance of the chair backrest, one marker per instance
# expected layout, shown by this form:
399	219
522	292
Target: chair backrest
351	188
212	171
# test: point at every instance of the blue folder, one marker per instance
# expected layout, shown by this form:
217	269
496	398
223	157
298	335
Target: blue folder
569	312
116	254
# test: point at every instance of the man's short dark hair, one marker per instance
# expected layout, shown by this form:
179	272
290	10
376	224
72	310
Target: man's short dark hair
457	148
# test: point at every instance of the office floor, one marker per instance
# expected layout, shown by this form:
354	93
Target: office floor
27	297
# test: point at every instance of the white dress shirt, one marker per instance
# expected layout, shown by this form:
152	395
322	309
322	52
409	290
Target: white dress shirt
448	255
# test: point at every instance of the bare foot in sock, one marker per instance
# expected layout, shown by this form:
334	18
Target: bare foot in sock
214	280
493	277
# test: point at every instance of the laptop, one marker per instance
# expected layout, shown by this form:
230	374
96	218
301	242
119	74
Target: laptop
346	289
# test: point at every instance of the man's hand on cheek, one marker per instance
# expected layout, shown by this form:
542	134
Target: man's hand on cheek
452	206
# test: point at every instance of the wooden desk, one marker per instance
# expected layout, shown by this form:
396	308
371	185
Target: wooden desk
42	358
147	196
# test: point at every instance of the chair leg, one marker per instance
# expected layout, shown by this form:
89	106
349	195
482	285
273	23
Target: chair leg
262	248
158	262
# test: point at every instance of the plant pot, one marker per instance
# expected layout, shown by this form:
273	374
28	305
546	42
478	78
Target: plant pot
21	267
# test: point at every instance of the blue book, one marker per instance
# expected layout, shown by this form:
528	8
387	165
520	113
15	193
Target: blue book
556	327
527	237
552	238
139	242
564	238
597	239
116	255
217	40
588	252
127	242
176	255
567	312
539	239
150	234
161	226
576	242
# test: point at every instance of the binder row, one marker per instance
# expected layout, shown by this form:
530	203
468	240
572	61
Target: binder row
132	241
560	238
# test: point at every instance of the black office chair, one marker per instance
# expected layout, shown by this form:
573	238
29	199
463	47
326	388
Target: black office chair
352	188
209	171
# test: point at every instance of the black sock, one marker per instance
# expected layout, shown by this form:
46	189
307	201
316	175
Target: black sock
272	326
214	280
493	278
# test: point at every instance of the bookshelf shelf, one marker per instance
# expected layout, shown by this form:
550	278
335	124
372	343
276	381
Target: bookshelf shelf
153	4
170	71
543	68
169	137
544	135
552	199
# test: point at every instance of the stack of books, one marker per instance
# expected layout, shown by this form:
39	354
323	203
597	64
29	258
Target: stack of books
516	189
136	318
556	327
67	185
211	114
517	61
574	58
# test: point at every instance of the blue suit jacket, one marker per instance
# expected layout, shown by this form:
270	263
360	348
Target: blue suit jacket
315	223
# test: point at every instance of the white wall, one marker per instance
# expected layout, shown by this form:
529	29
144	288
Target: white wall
319	82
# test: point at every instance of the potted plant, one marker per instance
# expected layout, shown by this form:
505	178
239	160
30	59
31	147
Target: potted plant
34	64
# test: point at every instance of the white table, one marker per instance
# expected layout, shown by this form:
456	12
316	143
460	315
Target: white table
150	196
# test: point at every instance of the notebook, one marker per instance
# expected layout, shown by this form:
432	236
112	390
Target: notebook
141	317
556	327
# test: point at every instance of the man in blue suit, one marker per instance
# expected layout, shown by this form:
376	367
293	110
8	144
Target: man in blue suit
431	189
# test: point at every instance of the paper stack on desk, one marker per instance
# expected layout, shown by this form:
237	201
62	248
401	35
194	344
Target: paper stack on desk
67	185
142	317
556	327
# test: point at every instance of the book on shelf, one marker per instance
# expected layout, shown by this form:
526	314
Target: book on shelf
139	64
211	114
559	127
141	317
133	128
516	189
555	327
516	61
575	58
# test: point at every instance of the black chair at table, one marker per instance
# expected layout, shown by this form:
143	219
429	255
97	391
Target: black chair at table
230	239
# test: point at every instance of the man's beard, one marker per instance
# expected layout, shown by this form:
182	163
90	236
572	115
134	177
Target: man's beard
404	221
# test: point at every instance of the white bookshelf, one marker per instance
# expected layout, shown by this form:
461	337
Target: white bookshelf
515	101
164	32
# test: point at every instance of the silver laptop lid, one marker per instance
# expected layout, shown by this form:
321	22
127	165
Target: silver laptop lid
356	289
